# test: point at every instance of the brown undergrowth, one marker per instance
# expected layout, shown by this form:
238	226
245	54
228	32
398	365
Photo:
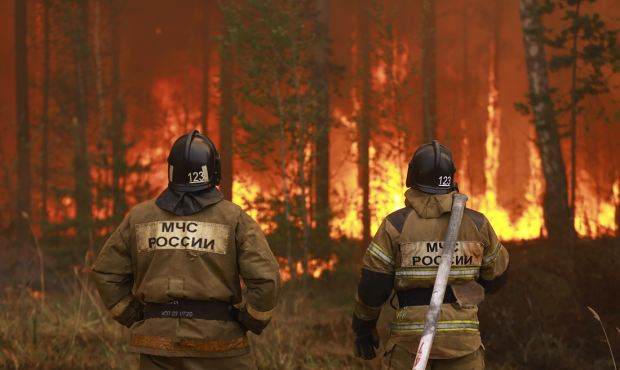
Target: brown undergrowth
538	321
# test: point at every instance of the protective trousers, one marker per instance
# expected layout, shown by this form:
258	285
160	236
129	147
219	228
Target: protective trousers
400	359
244	362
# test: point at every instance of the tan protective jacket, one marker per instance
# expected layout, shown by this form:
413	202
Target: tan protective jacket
412	256
155	256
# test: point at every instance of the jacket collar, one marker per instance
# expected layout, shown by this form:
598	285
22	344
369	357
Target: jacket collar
428	205
183	203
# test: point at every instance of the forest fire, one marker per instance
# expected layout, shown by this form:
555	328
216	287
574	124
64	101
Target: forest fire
111	114
501	172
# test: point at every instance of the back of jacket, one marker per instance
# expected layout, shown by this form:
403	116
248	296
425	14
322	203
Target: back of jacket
408	246
156	257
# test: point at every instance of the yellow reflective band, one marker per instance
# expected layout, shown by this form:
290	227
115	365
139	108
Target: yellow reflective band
491	257
453	325
461	277
376	251
473	322
433	272
439	330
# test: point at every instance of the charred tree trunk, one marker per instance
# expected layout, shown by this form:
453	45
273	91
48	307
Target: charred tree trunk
45	93
119	147
573	116
323	123
555	204
363	142
226	114
301	133
102	181
428	69
81	163
23	125
206	66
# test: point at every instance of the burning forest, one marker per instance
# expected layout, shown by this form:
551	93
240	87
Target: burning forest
316	108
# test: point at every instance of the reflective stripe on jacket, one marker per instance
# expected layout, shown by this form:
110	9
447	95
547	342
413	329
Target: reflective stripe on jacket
408	246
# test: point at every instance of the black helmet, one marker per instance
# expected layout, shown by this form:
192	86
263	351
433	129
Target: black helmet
193	163
431	169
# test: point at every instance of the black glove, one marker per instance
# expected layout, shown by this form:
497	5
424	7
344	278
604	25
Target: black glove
131	314
234	312
366	338
247	321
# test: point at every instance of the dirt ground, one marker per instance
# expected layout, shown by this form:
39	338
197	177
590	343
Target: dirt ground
538	321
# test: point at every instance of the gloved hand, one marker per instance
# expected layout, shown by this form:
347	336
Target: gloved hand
132	313
366	338
247	321
234	312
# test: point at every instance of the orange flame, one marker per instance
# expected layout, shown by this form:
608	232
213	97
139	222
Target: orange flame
316	267
595	216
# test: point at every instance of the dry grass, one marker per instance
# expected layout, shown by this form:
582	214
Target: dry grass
69	331
538	321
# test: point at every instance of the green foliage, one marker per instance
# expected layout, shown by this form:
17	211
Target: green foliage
595	57
273	45
597	52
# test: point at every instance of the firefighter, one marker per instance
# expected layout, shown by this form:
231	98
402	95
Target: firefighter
404	256
171	271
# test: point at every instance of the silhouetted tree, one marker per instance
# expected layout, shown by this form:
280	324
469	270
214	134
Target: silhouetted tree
45	115
365	119
587	47
226	108
429	71
206	66
555	201
322	174
117	127
23	124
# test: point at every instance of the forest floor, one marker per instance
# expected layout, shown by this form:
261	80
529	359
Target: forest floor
539	320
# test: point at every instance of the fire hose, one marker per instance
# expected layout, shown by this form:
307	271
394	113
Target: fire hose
441	281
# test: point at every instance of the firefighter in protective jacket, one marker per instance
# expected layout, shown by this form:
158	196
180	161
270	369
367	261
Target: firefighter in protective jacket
172	270
404	256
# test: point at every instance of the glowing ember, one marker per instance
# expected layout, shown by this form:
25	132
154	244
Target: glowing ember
36	294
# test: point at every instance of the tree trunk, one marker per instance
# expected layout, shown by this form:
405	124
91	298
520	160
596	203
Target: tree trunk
81	163
573	116
119	147
45	93
322	128
206	65
23	129
301	133
428	69
226	114
102	180
555	203
365	118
